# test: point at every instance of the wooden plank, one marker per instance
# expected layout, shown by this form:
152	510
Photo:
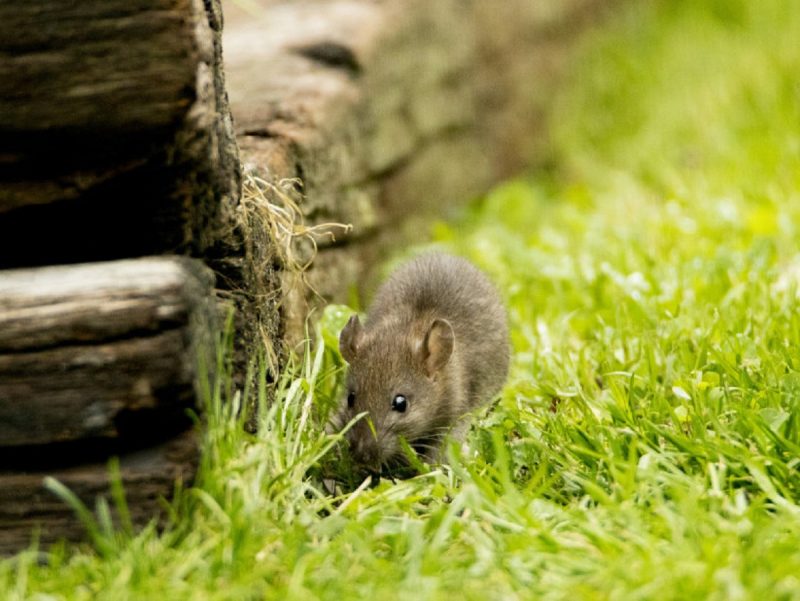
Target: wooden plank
115	134
27	507
97	350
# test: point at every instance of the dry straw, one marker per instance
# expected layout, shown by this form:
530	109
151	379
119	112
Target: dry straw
275	235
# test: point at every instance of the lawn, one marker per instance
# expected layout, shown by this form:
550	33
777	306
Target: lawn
647	445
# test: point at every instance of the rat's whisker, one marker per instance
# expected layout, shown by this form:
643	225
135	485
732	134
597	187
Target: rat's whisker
422	449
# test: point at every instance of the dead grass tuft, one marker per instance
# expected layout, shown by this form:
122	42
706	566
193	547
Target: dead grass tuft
276	237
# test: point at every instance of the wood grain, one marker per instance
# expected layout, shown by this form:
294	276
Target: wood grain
27	508
96	350
115	135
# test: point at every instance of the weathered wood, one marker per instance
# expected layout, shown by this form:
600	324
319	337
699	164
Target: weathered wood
391	113
101	349
115	134
27	508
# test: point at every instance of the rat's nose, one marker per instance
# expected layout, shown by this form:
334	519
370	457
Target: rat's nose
366	453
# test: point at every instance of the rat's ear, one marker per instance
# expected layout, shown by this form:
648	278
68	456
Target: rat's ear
437	347
350	338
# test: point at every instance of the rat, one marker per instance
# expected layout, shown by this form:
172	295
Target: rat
434	346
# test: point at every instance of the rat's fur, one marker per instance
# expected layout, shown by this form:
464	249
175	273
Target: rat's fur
436	333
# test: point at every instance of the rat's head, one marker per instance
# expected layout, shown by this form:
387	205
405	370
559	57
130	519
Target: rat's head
398	376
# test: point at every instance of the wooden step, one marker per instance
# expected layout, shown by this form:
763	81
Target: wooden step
28	509
101	350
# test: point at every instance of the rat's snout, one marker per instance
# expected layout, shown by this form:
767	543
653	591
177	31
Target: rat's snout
364	446
367	454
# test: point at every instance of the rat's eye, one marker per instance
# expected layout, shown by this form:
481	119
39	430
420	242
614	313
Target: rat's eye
351	399
399	403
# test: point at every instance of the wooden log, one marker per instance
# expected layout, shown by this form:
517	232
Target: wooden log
391	114
101	350
115	134
28	509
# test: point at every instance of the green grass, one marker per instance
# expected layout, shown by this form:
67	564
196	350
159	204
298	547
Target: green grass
647	445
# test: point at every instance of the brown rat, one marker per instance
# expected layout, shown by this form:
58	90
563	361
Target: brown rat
434	346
